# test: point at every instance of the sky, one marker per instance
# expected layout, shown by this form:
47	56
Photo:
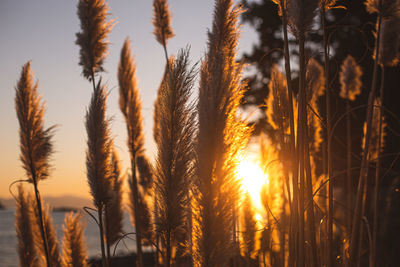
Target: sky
43	31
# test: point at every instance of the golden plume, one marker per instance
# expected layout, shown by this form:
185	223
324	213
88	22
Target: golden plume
174	165
249	229
162	21
73	244
27	251
98	154
92	37
390	40
221	137
350	79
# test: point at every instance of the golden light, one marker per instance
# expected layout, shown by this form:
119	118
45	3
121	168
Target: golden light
252	178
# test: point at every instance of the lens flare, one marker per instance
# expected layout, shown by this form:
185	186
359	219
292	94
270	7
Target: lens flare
252	178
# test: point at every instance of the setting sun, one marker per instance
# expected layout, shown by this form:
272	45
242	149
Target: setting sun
253	178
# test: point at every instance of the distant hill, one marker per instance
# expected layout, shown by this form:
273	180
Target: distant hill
55	202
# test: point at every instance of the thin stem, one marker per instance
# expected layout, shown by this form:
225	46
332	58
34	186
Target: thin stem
294	213
101	226
42	225
107	233
373	252
364	163
349	180
329	257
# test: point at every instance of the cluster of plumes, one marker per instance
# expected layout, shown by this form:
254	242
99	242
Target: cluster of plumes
92	38
249	227
174	166
315	87
221	136
35	141
98	154
73	244
113	210
301	15
27	251
278	101
377	131
162	21
350	79
130	106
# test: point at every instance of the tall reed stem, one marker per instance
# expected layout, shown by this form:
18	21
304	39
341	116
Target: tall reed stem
101	226
355	233
329	259
40	213
349	180
377	173
294	213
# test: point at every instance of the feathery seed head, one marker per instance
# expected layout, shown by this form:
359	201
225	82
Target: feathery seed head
301	15
92	37
374	138
278	101
129	100
389	51
73	244
35	141
162	21
23	225
98	154
350	79
315	77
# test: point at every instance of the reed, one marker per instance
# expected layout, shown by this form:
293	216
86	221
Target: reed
174	168
161	22
73	244
221	137
130	106
98	157
35	141
249	230
27	251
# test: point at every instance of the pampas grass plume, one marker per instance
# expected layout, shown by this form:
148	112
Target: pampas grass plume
278	101
301	15
386	8
74	248
35	141
24	227
98	155
92	37
350	79
162	21
315	77
390	40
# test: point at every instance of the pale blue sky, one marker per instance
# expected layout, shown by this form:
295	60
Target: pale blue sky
43	31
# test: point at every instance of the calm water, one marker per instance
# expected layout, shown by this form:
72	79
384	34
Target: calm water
8	237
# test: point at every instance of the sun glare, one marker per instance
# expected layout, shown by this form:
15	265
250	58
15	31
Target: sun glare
253	178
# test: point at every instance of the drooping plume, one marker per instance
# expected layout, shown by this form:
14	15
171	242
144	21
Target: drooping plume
350	79
92	38
24	227
278	101
114	212
221	137
162	21
98	154
174	165
35	141
374	140
73	244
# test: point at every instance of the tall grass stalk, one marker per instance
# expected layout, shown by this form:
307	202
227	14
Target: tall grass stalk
130	106
221	137
357	219
27	252
174	164
35	141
